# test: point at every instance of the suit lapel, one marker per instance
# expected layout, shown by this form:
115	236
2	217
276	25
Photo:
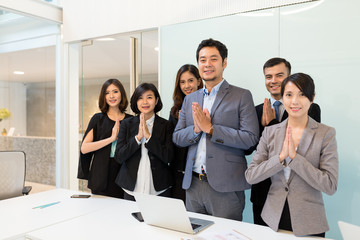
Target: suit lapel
279	141
200	98
305	141
307	137
224	88
157	124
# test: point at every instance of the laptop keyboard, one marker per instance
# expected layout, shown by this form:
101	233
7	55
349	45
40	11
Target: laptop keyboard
195	226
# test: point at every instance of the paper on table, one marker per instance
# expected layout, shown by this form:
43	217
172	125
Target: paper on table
229	235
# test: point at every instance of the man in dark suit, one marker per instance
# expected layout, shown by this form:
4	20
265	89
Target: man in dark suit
269	113
217	123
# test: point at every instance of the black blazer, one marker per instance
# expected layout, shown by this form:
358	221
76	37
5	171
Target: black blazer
260	190
95	166
160	149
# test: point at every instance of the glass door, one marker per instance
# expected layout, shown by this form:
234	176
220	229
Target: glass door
130	58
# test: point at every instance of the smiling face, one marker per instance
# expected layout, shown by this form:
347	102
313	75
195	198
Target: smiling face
273	78
188	83
211	65
295	102
113	96
146	103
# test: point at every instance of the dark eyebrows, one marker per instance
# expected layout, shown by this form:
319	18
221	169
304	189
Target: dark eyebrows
150	94
212	56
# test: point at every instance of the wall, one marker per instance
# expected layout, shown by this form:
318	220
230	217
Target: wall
86	19
321	41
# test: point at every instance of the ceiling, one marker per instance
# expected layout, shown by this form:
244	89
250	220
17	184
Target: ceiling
100	59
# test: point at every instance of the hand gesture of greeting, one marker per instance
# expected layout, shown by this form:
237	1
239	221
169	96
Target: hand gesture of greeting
268	113
115	130
143	129
202	120
288	149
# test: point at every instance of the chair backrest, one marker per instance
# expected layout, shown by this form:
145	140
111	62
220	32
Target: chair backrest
12	173
349	231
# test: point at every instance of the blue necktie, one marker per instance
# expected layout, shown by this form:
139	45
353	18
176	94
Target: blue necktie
277	106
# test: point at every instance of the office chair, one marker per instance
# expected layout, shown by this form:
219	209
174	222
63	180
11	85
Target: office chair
12	174
349	231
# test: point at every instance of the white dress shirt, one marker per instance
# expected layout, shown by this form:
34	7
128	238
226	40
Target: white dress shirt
209	100
287	169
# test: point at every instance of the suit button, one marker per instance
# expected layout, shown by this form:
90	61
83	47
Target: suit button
191	141
286	189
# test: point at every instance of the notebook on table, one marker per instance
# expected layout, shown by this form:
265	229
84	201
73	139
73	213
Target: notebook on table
169	213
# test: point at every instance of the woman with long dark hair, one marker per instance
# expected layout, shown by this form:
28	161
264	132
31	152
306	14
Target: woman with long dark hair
188	80
97	164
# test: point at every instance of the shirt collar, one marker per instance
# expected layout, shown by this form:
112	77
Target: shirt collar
214	89
272	100
150	121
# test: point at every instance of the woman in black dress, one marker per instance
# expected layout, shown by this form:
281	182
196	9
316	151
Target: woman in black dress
188	80
97	164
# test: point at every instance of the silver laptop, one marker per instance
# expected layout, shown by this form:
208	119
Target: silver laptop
168	213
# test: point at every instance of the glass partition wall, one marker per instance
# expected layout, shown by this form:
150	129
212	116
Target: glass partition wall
27	94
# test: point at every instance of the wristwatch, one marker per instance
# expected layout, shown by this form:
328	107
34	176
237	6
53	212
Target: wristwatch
211	131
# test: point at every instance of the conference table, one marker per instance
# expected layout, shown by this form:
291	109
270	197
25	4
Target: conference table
99	217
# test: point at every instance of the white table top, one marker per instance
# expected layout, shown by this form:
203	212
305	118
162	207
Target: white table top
103	218
117	223
17	216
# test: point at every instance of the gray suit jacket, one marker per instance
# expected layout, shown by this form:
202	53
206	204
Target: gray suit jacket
313	170
235	129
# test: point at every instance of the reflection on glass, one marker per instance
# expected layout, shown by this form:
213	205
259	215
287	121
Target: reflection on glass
109	57
30	96
149	57
101	60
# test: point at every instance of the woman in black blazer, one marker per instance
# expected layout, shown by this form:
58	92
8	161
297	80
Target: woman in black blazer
145	147
96	162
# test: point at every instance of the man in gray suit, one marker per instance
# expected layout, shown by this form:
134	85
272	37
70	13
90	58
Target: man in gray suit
217	123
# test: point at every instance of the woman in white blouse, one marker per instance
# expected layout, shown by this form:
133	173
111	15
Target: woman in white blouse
145	147
300	156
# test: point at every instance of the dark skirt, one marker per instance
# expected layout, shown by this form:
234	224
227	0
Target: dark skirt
285	221
112	190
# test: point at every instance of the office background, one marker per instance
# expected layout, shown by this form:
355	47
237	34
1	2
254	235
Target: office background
318	38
